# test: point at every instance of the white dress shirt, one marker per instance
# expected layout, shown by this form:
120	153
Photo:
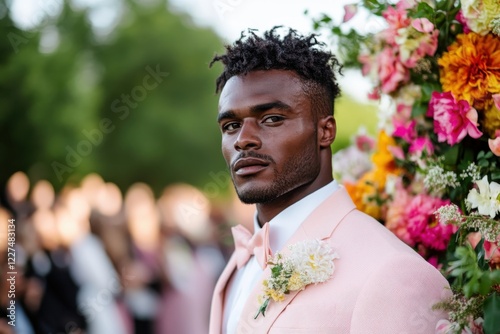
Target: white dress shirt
281	228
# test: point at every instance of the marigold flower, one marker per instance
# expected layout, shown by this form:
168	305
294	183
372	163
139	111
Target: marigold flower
470	69
491	120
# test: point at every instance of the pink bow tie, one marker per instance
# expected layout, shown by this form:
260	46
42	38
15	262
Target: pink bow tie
247	245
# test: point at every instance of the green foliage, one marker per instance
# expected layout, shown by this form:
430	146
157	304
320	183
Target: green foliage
472	270
106	104
492	314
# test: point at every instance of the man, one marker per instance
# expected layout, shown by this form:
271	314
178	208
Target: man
276	119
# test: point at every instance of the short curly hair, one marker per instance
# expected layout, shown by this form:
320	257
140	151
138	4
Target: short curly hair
304	55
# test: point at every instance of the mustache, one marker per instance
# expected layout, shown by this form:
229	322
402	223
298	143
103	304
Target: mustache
252	154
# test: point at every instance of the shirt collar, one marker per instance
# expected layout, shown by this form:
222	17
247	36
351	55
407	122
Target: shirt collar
284	225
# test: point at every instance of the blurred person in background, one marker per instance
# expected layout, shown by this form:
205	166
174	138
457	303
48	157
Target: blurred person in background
191	259
91	261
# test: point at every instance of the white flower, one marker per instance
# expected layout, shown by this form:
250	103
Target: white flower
480	14
313	259
487	199
310	261
350	164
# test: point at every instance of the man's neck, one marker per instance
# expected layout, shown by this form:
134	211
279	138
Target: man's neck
269	210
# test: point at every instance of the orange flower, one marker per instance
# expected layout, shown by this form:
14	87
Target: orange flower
368	193
470	70
383	158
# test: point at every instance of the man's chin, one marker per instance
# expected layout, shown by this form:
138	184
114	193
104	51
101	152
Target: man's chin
254	196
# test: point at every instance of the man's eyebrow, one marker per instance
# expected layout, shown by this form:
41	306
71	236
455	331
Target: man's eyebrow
271	105
225	114
256	109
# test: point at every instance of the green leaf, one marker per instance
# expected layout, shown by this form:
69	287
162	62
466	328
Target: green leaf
424	10
480	253
262	308
485	284
492	314
418	109
451	156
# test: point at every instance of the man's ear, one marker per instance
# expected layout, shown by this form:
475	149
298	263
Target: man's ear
327	130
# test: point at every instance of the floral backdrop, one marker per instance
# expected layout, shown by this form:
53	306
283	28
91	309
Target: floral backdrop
432	175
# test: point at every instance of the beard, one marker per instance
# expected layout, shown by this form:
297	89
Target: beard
298	171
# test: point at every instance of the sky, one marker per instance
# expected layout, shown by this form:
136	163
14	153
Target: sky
227	17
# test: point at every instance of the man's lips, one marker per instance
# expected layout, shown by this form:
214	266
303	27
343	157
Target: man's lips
248	166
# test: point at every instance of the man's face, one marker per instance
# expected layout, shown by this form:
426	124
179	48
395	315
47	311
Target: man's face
269	135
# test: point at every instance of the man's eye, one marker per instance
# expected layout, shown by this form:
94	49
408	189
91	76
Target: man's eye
231	126
273	119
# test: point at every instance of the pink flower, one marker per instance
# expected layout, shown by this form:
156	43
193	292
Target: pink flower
422	25
367	61
397	152
390	70
421	144
427	41
396	220
444	326
491	249
494	144
374	94
424	227
461	19
405	131
403	111
364	143
349	12
453	120
397	18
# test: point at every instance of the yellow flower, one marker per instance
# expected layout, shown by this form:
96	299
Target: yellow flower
295	282
383	158
491	121
470	70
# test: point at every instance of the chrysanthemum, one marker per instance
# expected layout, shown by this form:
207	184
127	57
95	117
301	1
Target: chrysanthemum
471	69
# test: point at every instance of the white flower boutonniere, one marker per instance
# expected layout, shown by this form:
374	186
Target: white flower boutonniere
310	261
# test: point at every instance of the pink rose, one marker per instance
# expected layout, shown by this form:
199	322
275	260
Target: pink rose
453	120
390	70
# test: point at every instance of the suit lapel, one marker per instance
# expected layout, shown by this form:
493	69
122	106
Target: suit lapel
320	224
217	308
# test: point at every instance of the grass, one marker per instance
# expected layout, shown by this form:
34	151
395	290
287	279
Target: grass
350	116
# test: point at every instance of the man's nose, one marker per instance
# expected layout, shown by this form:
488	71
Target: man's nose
248	136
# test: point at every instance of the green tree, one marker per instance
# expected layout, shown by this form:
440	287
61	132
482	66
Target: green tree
107	105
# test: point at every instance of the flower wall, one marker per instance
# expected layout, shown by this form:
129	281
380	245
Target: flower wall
432	175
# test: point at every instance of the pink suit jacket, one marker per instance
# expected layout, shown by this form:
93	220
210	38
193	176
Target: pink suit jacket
380	285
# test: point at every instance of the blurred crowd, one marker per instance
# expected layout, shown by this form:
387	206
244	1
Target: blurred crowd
91	259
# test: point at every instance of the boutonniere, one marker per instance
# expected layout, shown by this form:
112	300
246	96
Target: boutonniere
309	262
